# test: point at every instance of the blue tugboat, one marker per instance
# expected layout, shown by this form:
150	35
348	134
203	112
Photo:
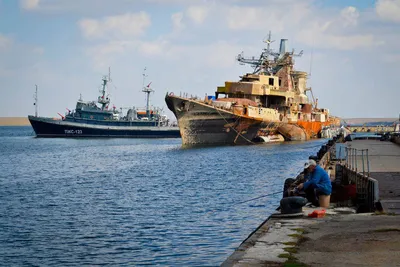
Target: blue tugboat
91	119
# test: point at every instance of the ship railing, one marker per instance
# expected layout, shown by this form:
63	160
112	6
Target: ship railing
189	96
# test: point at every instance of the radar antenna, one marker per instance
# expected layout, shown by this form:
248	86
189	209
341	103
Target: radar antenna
263	62
269	61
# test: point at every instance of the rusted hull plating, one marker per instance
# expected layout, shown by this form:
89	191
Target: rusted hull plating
312	128
292	132
202	124
303	130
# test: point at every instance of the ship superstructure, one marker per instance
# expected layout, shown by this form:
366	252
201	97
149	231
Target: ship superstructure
275	84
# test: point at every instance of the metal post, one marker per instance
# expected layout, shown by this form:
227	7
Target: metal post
350	150
347	157
352	159
355	159
362	156
368	163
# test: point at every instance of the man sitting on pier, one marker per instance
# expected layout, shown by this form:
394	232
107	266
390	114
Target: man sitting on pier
318	185
290	186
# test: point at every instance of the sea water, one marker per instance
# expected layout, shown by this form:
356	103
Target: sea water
134	202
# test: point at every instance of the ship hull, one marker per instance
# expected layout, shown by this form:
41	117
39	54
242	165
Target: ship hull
48	127
202	124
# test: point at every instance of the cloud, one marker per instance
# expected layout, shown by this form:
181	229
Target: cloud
391	58
197	13
16	56
320	35
340	31
274	15
177	23
120	26
388	10
308	24
5	42
241	18
350	16
347	42
219	54
152	49
29	4
103	55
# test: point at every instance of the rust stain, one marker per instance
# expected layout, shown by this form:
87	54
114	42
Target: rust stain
312	128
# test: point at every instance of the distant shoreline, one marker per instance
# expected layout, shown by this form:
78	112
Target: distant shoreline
23	121
14	121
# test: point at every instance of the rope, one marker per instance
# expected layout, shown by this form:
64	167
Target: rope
238	133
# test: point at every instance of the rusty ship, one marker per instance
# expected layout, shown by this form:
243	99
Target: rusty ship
270	100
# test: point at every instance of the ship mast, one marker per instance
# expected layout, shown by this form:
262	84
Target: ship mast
265	64
36	101
102	99
147	90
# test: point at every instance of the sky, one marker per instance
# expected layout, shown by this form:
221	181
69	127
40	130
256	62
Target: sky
351	50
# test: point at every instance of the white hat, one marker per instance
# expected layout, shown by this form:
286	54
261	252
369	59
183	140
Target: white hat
310	162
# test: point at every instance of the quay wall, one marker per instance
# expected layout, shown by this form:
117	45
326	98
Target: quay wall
371	129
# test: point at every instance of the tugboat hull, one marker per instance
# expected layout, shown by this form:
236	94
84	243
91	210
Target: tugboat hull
49	127
201	124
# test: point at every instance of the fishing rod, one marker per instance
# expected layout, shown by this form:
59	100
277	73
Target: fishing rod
238	203
302	169
262	196
259	197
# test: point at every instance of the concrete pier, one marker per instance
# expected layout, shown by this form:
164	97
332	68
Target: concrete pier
384	166
342	237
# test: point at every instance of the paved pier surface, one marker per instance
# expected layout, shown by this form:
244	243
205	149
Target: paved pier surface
352	240
338	239
384	156
341	238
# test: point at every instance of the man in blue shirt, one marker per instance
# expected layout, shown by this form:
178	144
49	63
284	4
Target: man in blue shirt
318	183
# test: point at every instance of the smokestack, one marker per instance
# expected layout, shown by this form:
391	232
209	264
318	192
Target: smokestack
282	48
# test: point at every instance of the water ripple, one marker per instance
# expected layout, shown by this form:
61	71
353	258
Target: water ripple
72	202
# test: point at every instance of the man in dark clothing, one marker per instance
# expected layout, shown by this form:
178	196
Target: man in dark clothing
290	186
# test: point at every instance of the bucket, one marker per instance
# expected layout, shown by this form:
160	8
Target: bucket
324	201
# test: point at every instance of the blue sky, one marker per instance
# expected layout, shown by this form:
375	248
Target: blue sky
65	46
